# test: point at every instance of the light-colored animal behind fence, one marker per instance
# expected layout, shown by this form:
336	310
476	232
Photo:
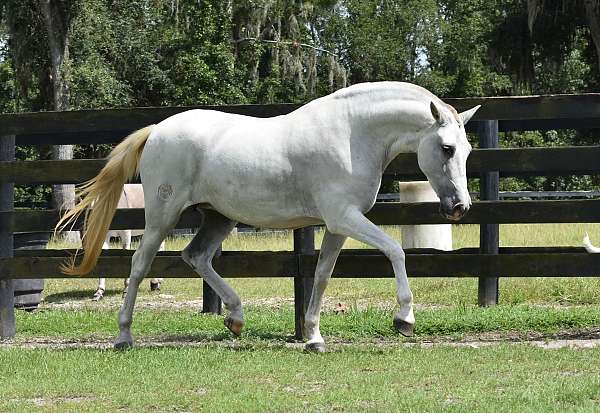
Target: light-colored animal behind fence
322	163
132	196
588	245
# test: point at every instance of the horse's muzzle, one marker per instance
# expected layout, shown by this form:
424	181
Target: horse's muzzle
456	212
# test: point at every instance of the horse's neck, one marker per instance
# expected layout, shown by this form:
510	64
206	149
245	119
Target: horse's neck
394	120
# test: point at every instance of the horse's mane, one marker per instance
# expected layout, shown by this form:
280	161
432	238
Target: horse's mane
409	90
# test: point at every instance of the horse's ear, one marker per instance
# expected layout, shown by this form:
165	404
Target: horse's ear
435	112
468	114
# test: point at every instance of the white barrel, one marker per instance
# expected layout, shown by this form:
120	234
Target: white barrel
437	236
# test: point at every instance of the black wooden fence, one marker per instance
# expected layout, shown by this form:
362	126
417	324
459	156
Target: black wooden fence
487	262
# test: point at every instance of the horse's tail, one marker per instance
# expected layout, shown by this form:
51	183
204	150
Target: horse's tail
99	198
588	245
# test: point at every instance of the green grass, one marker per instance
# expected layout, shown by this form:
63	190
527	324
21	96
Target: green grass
369	367
267	324
258	379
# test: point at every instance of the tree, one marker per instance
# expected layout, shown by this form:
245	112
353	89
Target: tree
57	16
562	20
282	50
39	41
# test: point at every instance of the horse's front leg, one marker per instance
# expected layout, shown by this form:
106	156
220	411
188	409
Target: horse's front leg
330	249
354	224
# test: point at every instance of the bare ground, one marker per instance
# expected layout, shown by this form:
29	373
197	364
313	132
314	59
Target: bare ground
576	340
170	302
573	339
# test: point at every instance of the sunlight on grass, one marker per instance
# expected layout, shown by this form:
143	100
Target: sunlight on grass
366	368
257	378
515	235
365	292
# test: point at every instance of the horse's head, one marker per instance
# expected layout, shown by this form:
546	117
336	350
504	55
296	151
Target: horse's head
442	156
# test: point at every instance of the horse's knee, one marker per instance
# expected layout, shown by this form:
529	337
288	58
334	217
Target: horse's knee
395	254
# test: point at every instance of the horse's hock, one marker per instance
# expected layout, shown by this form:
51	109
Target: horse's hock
438	236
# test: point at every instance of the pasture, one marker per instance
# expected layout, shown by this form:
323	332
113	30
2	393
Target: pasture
462	358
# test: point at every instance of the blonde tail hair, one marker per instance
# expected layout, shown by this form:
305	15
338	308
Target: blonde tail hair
99	198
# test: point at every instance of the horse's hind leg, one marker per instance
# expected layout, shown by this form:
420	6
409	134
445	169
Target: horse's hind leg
155	282
99	294
199	254
140	265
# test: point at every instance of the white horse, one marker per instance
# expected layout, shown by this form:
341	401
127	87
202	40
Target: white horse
132	196
588	245
322	163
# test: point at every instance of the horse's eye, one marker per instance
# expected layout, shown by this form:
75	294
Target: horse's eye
448	150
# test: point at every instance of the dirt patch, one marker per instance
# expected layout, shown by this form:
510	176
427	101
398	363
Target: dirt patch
155	302
53	401
171	302
576	340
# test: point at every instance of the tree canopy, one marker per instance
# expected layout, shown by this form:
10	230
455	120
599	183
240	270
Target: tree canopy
122	53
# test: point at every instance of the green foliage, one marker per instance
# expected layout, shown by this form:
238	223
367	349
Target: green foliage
151	53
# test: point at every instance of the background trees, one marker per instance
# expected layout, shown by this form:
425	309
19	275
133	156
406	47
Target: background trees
57	54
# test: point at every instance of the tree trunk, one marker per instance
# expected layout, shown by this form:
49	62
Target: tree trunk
58	43
592	12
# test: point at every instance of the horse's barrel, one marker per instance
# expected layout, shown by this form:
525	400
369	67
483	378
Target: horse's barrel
28	292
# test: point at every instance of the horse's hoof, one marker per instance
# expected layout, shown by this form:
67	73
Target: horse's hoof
154	286
235	326
404	328
98	295
315	347
123	345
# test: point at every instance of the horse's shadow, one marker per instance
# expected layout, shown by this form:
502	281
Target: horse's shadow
248	340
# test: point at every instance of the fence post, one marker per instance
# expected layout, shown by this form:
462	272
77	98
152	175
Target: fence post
304	244
7	196
489	234
211	302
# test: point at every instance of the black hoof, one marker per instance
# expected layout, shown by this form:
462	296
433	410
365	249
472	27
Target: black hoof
315	348
123	345
404	328
154	286
235	326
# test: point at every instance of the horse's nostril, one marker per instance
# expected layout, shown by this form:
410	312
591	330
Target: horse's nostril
459	210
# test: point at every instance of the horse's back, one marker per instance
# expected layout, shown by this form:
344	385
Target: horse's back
261	171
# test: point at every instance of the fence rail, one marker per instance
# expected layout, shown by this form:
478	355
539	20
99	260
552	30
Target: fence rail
581	160
466	262
383	213
515	195
488	163
77	127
